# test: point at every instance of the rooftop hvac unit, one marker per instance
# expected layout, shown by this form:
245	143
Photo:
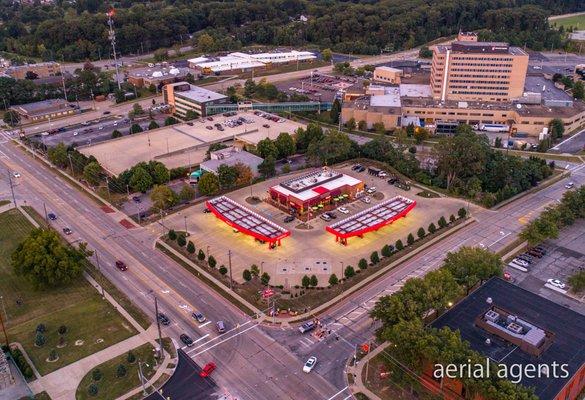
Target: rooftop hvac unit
489	300
492	315
514	327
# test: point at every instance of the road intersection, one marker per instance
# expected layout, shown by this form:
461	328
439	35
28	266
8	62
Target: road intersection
255	361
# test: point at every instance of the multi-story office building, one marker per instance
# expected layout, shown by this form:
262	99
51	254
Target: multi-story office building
184	97
478	71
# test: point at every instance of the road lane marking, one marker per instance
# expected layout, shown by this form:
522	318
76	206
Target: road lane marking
338	393
206	323
224	335
201	338
222	341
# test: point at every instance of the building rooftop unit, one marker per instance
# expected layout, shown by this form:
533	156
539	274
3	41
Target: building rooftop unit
196	93
160	73
314	184
562	327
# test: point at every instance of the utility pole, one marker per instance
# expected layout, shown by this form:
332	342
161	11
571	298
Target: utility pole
230	265
112	37
71	164
158	327
12	188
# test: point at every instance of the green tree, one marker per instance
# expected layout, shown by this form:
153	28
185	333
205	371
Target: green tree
421	232
223	270
266	148
208	184
577	282
247	275
374	257
452	218
267	168
285	145
160	173
335	111
135	128
130	357
58	155
187	193
386	251
410	239
116	134
227	176
121	371
92	173
140	181
172	234
191	247
265	278
399	246
579	90
191	115
362	125
92	390
181	240
96	374
350	124
379	128
211	261
40	339
255	270
205	43
498	143
556	128
334	147
153	125
421	134
349	272
362	263
472	265
201	255
442	222
333	280
11	118
170	121
314	281
462	212
432	228
540	229
46	262
425	52
305	281
326	54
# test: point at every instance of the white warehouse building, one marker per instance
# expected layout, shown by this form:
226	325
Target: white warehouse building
243	62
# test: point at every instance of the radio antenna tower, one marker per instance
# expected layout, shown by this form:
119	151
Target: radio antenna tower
112	37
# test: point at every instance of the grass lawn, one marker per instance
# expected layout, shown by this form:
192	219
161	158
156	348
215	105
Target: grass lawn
4	202
79	307
110	386
576	21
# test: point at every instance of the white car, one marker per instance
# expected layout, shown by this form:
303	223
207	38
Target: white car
569	185
16	174
75	133
371	190
343	210
556	283
367	199
310	364
382	174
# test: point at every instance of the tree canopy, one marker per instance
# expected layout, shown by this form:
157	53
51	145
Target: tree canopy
46	262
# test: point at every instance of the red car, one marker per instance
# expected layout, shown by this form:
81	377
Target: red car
121	265
207	370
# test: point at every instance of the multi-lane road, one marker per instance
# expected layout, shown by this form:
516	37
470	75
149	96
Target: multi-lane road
254	361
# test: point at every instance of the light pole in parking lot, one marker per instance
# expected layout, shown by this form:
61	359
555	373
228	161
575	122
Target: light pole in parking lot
186	232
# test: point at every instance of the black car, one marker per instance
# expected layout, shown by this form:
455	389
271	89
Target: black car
206	210
331	214
290	218
51	216
107	112
163	319
136	199
186	339
356	167
392	180
361	169
67	231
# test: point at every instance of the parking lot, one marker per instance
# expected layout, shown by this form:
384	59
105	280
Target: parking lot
309	249
565	256
318	86
187	143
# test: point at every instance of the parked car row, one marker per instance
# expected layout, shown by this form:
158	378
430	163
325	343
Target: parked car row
522	262
269	117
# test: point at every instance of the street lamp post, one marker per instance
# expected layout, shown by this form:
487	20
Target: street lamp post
186	231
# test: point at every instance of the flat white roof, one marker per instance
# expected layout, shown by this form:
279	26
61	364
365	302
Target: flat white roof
390	98
199	94
312	181
197	60
239	60
415	90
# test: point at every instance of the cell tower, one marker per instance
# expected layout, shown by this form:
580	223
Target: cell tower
112	37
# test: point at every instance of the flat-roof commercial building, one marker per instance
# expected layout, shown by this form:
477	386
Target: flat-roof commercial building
230	157
157	76
184	97
511	326
43	110
244	62
321	189
387	75
478	71
40	70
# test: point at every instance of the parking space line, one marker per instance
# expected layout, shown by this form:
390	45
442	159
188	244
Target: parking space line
205	323
201	338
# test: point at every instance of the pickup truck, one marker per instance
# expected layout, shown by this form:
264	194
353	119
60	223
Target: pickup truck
307	326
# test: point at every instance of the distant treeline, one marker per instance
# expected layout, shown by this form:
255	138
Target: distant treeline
79	31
